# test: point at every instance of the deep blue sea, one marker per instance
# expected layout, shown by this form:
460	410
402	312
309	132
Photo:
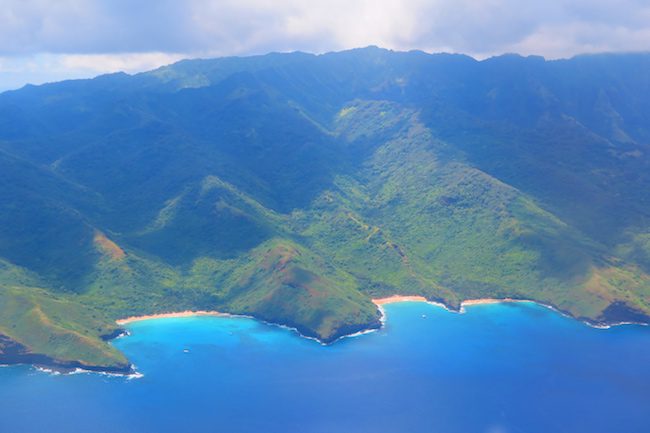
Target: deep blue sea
496	369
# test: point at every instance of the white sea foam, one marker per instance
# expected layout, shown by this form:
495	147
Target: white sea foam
46	370
136	375
463	310
382	319
358	333
55	372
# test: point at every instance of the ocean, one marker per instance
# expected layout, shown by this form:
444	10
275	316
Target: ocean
501	368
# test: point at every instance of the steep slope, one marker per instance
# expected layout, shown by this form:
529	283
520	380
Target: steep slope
418	219
295	187
42	328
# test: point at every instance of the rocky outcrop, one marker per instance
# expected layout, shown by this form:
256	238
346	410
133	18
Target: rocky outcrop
12	352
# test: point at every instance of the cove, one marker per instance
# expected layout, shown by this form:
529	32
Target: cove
510	367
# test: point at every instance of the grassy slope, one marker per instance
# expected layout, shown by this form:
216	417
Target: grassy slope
57	326
233	198
416	221
413	219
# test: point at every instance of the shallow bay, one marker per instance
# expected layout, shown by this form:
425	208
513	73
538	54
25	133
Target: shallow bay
498	368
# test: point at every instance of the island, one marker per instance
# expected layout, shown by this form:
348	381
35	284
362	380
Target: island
298	188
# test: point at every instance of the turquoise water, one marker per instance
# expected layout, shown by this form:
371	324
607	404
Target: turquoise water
496	369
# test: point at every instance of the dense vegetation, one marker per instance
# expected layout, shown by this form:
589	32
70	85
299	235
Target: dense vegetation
295	187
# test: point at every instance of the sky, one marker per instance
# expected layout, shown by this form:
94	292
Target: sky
45	40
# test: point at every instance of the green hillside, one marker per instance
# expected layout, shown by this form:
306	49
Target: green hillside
295	188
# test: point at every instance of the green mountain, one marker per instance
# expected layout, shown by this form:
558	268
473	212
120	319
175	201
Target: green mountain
295	188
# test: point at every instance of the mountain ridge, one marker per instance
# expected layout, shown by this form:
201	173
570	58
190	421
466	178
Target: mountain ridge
295	187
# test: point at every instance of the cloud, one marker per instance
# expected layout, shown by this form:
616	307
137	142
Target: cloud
582	38
43	68
138	32
248	26
127	62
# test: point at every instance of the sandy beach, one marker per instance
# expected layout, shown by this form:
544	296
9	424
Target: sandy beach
376	301
168	316
490	301
468	302
398	298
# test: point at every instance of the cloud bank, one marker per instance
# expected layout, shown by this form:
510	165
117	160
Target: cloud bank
41	39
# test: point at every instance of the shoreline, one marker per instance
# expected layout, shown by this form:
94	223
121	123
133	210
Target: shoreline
487	301
466	303
179	314
56	368
398	298
380	302
204	313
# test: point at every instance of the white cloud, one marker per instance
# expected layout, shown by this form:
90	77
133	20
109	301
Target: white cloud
565	41
246	26
102	36
43	68
127	62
